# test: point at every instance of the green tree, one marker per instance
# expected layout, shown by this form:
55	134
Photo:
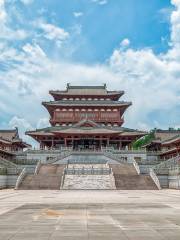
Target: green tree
144	140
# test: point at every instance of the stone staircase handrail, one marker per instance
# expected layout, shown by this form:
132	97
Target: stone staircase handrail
20	178
112	180
136	166
3	171
169	164
25	161
114	157
86	161
37	167
60	157
7	163
155	178
62	179
88	171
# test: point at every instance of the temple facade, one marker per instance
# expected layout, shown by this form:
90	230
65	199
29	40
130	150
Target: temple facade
86	117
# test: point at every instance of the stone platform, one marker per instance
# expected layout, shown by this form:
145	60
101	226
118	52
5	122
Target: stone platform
65	215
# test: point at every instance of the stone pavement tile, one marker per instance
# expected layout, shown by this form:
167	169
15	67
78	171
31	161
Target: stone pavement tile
69	227
166	226
131	225
107	238
7	228
36	229
107	235
70	238
6	236
103	227
101	221
70	233
168	234
143	235
30	236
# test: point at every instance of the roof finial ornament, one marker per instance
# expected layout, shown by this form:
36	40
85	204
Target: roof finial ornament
105	86
68	85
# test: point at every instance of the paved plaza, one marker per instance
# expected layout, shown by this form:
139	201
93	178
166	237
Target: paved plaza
89	214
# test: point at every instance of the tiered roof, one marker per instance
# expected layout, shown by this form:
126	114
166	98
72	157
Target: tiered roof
11	136
84	103
82	128
173	140
86	91
98	96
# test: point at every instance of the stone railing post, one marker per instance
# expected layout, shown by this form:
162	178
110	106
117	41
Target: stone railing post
37	168
136	166
62	180
20	178
155	178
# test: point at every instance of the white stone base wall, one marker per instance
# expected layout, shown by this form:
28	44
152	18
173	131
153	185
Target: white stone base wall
174	182
164	182
7	181
3	181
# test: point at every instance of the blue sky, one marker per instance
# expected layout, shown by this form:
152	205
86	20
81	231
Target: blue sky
131	45
103	24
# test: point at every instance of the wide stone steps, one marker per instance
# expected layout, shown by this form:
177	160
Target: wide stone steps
136	182
41	182
123	169
48	177
51	169
127	178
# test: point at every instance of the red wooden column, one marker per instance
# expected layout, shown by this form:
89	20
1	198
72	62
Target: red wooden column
65	142
120	145
52	145
100	142
107	142
41	145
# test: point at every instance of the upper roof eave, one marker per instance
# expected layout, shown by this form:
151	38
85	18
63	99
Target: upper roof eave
50	131
84	103
171	140
64	93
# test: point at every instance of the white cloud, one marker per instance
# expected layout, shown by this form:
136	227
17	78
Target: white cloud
43	122
20	122
103	2
26	2
7	33
23	125
3	14
78	14
34	50
175	23
152	80
100	2
52	32
125	42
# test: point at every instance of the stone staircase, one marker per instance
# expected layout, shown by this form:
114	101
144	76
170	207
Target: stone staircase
88	176
84	176
48	177
88	182
127	178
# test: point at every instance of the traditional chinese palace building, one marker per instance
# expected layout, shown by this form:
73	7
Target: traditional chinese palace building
86	117
10	142
167	142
